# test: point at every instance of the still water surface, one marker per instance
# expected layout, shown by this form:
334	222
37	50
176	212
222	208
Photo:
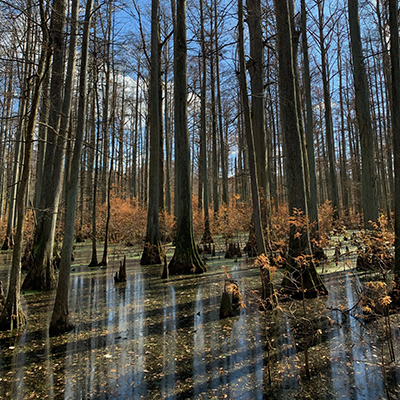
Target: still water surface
151	339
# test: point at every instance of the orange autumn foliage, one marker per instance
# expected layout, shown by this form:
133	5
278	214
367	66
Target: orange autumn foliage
230	221
128	221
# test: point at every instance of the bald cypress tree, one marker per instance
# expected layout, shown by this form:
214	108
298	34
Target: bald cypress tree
300	275
394	55
266	280
186	259
60	317
152	248
41	274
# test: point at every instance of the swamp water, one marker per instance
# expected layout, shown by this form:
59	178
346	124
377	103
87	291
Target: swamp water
154	339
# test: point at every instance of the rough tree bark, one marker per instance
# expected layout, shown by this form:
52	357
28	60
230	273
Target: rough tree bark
168	200
41	275
214	152
186	259
206	239
5	131
152	249
394	55
93	168
267	287
256	69
222	139
300	275
135	142
60	318
343	145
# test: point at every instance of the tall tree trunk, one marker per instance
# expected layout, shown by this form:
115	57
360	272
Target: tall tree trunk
394	56
93	170
369	194
332	177
9	239
5	132
106	105
222	143
121	140
186	259
309	128
343	143
152	249
258	108
383	200
243	153
136	134
95	138
203	128
104	260
272	144
41	274
42	133
145	187
261	249
256	69
215	165
168	199
301	275
160	155
60	317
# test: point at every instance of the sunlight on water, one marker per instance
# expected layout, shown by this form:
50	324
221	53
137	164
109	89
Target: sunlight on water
199	356
337	345
151	339
138	333
168	380
367	374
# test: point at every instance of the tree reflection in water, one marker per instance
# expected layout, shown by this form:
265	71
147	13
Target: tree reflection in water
152	339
